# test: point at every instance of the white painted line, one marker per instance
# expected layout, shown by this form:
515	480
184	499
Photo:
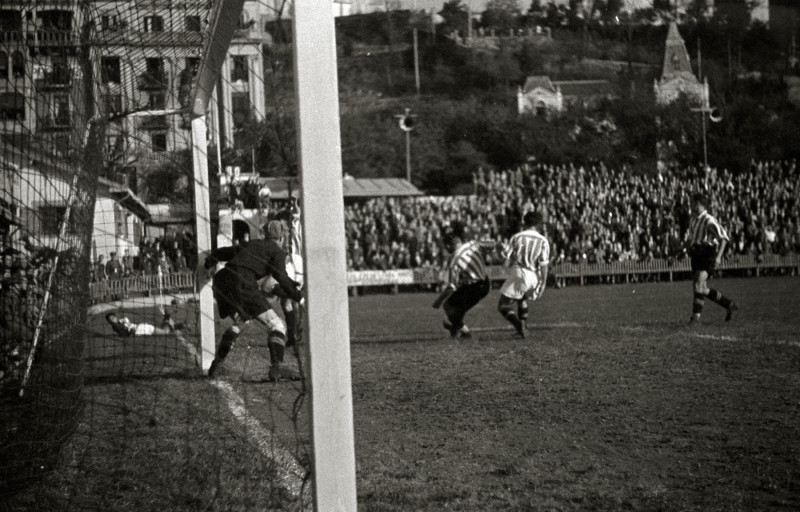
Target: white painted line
289	471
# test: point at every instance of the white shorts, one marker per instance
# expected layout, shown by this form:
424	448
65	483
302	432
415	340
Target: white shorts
275	323
522	281
144	330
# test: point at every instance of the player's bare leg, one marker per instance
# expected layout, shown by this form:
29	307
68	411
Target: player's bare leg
700	291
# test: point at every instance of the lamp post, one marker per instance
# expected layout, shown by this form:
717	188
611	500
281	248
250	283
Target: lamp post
406	123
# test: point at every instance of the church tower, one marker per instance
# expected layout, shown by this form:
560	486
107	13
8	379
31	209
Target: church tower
676	74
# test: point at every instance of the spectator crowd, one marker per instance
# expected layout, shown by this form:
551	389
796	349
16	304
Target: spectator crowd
166	255
593	214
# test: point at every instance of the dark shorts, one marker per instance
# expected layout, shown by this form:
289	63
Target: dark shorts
238	293
704	258
467	296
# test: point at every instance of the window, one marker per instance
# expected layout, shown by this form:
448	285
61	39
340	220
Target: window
155	66
12	106
193	24
239	70
156	101
110	70
153	24
50	218
3	66
61	110
17	66
240	107
158	142
109	22
61	143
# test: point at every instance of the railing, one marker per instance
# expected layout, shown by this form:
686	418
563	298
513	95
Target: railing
565	273
116	289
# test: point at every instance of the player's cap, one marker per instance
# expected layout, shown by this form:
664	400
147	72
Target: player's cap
533	218
274	229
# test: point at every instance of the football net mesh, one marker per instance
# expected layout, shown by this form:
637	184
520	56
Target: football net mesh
101	374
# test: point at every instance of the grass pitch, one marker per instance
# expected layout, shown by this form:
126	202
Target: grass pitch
611	403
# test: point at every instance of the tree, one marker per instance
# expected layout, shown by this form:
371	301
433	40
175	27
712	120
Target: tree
500	15
455	15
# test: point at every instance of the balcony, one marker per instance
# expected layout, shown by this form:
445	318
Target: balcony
53	38
152	81
11	36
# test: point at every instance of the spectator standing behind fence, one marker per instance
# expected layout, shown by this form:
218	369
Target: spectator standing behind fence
127	262
180	261
164	265
99	273
114	268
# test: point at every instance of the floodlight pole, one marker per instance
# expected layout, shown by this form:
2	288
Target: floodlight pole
320	162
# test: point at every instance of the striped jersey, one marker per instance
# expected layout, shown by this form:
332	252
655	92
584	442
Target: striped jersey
528	249
704	229
295	241
468	265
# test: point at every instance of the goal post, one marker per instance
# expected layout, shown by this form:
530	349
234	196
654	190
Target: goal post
223	21
320	162
320	169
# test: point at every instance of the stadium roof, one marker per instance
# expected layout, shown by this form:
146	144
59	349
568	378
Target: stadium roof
352	187
378	187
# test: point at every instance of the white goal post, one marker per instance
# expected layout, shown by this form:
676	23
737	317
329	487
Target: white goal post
320	164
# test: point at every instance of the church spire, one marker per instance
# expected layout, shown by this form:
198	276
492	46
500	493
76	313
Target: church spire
676	58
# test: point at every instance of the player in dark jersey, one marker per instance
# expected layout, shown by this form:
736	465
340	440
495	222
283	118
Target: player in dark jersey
239	297
705	241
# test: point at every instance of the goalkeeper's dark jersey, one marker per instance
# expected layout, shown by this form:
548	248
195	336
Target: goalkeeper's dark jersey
257	259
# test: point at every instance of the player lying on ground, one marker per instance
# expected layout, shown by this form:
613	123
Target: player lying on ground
467	281
528	256
240	299
123	326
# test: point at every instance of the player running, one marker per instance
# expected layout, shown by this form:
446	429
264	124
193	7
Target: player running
467	281
706	240
528	257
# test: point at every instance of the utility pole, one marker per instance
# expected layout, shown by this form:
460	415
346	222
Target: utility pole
406	123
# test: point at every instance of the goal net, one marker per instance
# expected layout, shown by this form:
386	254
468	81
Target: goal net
132	144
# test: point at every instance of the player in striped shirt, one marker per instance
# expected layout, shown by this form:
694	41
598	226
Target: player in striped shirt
705	242
528	257
467	281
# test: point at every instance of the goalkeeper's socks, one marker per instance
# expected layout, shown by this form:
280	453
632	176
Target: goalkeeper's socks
277	347
720	299
225	344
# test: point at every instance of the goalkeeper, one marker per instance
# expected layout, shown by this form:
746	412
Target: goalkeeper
239	297
528	257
